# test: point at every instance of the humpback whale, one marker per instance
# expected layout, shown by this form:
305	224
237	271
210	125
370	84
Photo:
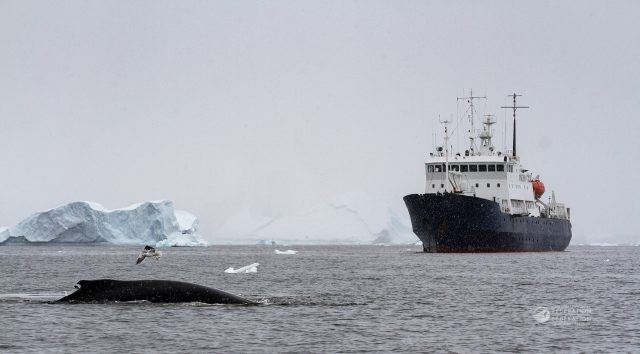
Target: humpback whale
105	290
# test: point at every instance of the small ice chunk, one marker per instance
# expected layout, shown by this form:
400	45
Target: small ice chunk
286	252
251	268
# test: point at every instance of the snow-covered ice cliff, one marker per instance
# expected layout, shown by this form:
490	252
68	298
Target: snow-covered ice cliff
156	223
338	221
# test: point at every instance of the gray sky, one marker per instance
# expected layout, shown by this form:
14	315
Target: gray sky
282	104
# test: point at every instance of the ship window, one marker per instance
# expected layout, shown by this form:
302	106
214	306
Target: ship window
429	168
437	168
498	185
464	168
492	168
473	168
442	186
500	167
433	185
453	167
477	185
488	185
482	168
509	168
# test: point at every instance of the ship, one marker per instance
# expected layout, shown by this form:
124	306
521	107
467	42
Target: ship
484	200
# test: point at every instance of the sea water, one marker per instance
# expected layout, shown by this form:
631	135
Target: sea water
328	299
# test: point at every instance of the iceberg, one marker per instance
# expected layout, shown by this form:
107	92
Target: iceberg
4	233
243	227
156	223
337	221
187	222
251	268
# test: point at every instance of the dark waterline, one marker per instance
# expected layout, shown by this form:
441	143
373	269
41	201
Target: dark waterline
329	299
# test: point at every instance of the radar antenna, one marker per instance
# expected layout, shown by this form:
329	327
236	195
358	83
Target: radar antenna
514	107
486	146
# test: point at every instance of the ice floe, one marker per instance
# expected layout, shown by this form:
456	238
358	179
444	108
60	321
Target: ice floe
286	252
251	268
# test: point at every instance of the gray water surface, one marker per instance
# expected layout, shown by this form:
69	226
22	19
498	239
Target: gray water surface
329	299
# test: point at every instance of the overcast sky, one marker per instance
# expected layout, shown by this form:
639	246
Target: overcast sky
283	104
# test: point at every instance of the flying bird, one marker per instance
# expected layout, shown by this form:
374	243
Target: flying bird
148	251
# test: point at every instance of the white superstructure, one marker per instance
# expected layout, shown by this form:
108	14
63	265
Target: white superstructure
485	173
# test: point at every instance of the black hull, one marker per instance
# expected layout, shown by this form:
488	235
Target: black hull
458	223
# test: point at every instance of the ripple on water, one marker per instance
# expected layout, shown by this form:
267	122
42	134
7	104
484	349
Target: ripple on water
334	299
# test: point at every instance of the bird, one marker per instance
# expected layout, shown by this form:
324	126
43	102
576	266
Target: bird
148	251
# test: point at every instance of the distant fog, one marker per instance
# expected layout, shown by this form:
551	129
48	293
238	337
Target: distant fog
279	106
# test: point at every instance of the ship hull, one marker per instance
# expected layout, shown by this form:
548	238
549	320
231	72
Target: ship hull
458	223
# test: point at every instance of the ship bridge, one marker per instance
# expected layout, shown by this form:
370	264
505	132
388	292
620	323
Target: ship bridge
499	178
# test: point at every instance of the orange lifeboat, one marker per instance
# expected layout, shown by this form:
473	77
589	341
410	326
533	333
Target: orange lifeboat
538	188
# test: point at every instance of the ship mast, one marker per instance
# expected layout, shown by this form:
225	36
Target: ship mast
514	107
470	98
446	152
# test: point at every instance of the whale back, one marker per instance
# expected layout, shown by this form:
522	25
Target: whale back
105	290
